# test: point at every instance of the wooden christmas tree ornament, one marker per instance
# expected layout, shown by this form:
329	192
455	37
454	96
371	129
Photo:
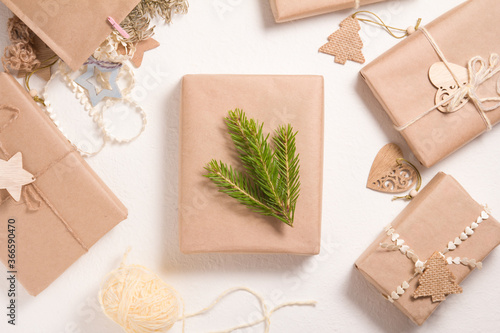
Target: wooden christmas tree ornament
389	175
437	280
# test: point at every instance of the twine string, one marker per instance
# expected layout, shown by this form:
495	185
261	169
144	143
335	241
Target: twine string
32	194
141	302
400	162
28	76
390	29
266	313
479	71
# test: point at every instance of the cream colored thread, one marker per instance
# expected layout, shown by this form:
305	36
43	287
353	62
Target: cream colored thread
405	32
476	79
140	302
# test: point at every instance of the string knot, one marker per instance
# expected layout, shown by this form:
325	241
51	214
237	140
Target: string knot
480	71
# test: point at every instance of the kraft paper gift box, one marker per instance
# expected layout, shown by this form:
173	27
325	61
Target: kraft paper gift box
440	213
65	211
400	80
72	29
287	10
211	221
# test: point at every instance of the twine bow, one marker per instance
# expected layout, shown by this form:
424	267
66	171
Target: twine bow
480	70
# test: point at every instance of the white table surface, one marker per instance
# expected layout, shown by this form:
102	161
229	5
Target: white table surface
240	37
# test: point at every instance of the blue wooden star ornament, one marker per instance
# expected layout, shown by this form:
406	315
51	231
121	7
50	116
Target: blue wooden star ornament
103	66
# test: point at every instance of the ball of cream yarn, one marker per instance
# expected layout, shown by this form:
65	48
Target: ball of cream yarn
139	301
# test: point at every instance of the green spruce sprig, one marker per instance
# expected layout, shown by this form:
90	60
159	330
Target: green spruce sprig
271	184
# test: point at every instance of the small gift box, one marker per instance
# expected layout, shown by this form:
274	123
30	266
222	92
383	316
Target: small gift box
287	10
60	215
439	86
430	248
213	222
72	29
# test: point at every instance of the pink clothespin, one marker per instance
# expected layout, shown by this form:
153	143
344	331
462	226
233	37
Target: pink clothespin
117	27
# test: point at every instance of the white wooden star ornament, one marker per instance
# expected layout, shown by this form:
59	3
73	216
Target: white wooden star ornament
13	177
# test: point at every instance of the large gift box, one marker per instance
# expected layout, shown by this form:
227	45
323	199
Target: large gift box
439	86
211	221
64	212
72	29
287	10
441	219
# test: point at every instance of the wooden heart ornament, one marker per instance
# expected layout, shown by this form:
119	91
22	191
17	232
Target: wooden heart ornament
389	176
442	78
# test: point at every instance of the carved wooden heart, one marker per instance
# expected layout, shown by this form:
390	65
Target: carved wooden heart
389	177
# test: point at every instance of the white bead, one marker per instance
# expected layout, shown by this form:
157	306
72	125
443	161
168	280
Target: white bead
484	215
449	260
400	291
479	220
400	242
451	246
457	241
33	92
419	264
394	295
394	237
457	260
463	236
469	231
413	193
410	30
474	225
405	285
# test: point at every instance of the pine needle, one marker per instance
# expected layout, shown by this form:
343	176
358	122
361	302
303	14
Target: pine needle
271	184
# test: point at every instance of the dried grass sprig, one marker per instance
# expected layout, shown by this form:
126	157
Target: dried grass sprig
137	23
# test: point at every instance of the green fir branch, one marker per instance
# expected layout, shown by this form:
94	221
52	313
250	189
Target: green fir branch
271	186
288	162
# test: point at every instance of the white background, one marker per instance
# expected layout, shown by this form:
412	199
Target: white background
243	38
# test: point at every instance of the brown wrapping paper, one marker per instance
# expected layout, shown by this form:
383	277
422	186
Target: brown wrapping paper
213	222
399	79
287	10
72	29
441	211
45	247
